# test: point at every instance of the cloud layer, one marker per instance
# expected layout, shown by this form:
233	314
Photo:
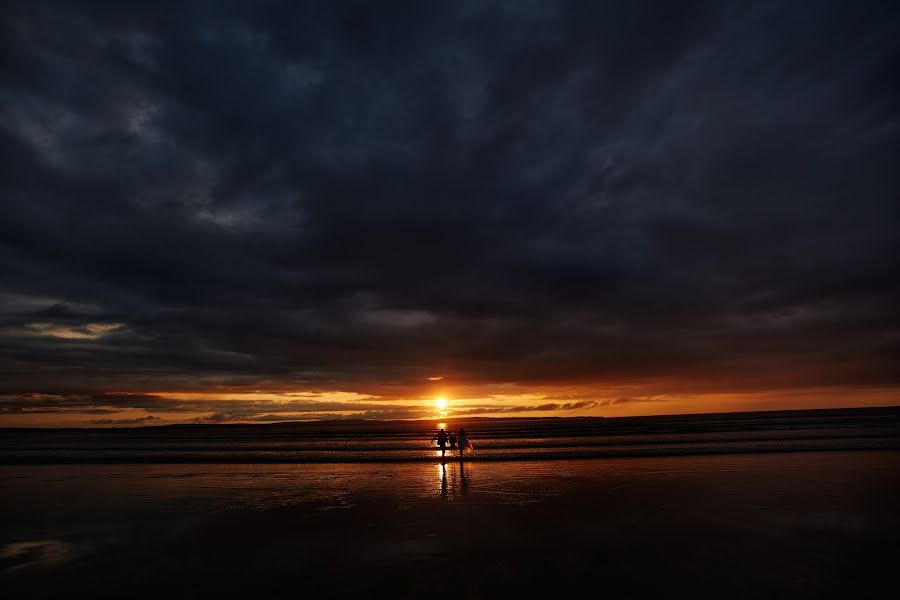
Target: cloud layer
359	196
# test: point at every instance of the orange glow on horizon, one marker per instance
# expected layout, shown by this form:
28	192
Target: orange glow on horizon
114	409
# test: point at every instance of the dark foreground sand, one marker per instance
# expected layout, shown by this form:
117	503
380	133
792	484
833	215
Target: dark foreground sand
807	525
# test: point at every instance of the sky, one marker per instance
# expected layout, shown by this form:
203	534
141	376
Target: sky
270	211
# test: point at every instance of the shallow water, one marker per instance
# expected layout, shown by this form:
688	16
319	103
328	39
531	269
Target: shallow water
506	439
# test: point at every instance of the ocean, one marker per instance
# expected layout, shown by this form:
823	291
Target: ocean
493	439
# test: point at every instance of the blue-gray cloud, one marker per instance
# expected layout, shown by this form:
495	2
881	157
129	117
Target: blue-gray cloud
351	194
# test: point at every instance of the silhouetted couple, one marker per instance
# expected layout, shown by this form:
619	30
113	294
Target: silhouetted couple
443	439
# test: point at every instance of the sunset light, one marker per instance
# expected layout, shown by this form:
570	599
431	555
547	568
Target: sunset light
470	299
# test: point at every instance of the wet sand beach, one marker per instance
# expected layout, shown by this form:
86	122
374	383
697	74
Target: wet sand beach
808	525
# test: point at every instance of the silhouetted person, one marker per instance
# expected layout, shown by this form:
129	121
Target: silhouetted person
463	442
452	442
441	439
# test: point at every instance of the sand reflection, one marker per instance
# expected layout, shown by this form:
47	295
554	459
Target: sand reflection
452	479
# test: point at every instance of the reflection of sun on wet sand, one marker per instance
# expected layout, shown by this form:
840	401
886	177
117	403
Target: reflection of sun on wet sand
453	479
797	524
679	525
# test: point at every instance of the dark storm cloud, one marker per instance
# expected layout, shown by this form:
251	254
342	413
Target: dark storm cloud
109	403
358	195
148	420
548	407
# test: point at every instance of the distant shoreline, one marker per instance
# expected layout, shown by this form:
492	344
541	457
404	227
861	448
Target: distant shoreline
339	423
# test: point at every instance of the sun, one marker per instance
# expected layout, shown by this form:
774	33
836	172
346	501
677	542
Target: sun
440	402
